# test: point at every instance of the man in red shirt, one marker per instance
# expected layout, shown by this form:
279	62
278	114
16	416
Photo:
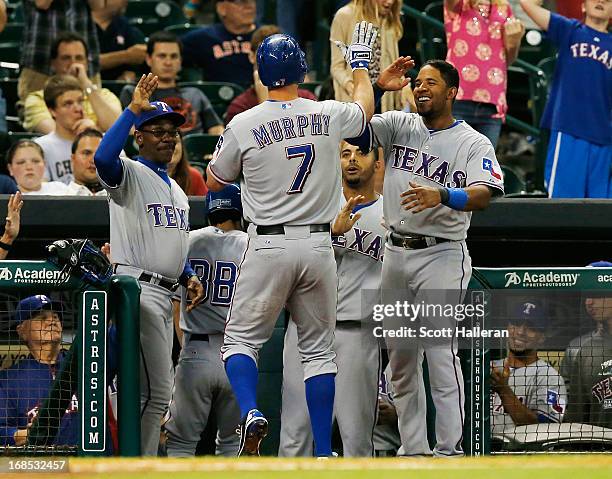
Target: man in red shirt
258	93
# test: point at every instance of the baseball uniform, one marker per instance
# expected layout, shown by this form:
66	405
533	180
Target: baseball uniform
359	263
439	266
589	374
149	234
201	384
538	386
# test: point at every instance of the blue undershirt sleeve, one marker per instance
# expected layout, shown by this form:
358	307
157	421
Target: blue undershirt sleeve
108	164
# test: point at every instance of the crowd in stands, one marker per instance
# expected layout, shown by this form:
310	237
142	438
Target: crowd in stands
70	47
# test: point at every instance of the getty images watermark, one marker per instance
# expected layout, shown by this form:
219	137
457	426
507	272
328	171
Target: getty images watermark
431	320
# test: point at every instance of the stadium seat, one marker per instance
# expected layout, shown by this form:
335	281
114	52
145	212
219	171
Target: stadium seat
153	15
547	65
199	148
12	33
15	11
15	136
434	41
9	92
220	94
182	28
512	181
314	87
115	86
10	52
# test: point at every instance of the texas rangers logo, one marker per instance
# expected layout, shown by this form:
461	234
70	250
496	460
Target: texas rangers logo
553	398
528	308
487	165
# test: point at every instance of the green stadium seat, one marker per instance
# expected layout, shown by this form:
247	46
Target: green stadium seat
199	148
115	86
15	136
182	28
9	92
15	11
313	87
153	15
547	65
434	41
10	52
12	33
535	53
190	74
220	94
513	183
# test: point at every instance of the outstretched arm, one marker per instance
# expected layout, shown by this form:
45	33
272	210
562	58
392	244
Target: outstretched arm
536	12
420	197
13	222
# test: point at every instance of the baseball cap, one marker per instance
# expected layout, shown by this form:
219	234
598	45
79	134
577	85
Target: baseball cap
162	110
600	264
531	313
31	305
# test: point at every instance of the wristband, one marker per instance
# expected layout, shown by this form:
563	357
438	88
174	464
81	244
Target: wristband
457	198
5	246
378	93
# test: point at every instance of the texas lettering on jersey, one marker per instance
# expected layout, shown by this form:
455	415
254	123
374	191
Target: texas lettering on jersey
594	52
288	128
429	166
168	216
365	243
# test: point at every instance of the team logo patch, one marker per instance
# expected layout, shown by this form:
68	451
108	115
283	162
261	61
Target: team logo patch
552	398
286	106
487	165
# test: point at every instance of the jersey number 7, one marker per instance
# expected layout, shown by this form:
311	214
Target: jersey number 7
307	154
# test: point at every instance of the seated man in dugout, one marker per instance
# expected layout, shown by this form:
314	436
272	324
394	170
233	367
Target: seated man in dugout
525	389
25	386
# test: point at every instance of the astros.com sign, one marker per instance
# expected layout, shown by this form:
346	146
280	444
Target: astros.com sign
36	276
541	279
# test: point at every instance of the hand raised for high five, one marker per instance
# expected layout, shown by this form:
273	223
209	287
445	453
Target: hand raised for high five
142	93
392	78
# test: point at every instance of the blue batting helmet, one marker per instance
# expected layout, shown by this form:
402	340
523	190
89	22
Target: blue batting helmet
227	199
280	61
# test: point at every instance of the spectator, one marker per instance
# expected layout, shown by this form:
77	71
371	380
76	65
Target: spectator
64	99
7	185
385	14
69	57
164	52
527	390
483	38
26	163
188	178
44	20
11	225
221	50
85	181
122	46
588	369
25	386
580	148
257	93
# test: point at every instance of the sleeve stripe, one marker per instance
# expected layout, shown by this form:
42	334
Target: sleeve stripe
217	177
498	187
369	126
363	119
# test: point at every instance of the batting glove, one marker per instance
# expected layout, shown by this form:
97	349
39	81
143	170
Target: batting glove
358	54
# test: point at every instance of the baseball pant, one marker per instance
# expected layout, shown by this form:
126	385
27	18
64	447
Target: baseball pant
439	273
156	334
298	270
201	385
356	401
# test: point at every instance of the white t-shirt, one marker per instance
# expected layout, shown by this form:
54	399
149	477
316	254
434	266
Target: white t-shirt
51	188
81	190
57	155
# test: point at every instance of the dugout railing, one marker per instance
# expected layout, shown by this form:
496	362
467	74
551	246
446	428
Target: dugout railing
565	290
86	313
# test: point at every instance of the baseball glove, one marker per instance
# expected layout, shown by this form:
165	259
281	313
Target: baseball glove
80	258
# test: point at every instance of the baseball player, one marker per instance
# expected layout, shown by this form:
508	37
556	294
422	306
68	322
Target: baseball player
149	233
200	384
437	170
358	254
525	389
284	151
579	156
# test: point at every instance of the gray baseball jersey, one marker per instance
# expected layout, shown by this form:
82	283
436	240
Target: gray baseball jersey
214	255
455	157
281	148
538	386
149	221
359	255
589	373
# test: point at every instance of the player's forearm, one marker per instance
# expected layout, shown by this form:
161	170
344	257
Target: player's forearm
363	93
538	14
113	59
479	197
107	160
520	414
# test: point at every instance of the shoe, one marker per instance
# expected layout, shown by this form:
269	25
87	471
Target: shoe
252	430
325	458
